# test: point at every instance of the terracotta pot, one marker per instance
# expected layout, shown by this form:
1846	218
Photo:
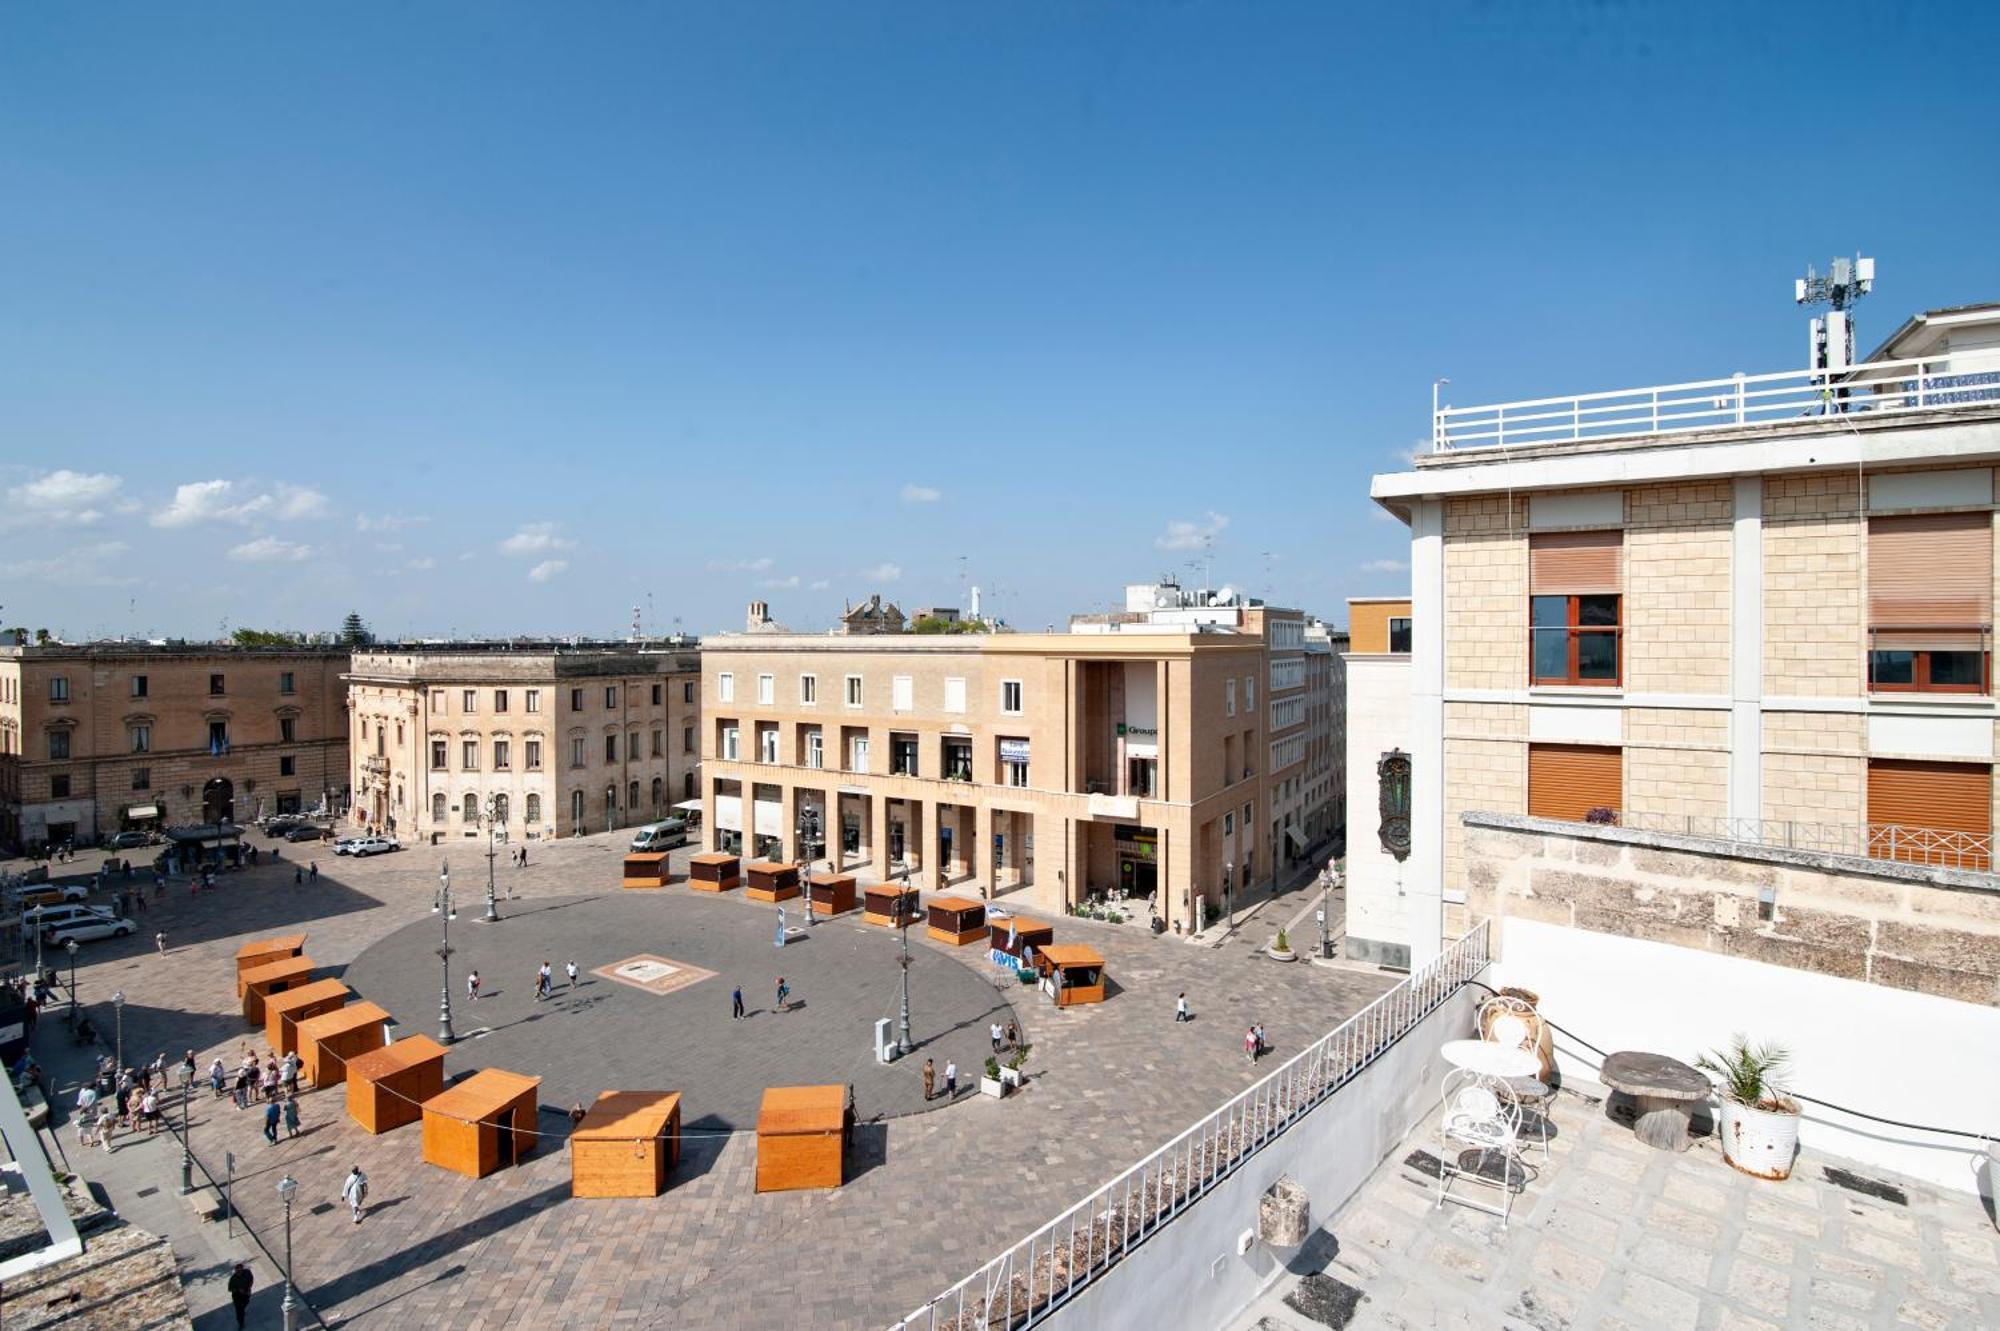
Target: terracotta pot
1760	1142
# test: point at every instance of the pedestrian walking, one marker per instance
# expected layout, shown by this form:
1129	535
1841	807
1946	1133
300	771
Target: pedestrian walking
993	1033
244	1077
288	1074
218	1077
160	941
292	1115
1180	1007
355	1192
298	876
736	1002
1013	1036
524	857
930	1080
271	1116
1250	1044
784	992
312	871
950	1079
187	1072
569	969
240	1284
107	1123
149	1111
472	986
576	1116
544	982
1263	1046
269	1080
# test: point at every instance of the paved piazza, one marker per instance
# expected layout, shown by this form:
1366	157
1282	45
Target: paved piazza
930	1195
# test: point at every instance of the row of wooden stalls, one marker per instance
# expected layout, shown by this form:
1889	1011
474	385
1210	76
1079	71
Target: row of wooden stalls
625	1146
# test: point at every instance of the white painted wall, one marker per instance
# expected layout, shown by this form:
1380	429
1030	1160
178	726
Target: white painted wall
1897	1055
1378	720
1424	876
1577	508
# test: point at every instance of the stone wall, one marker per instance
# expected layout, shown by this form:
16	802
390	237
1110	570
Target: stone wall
1903	926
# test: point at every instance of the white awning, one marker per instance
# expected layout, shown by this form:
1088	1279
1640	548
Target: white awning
770	817
729	813
1298	842
689	806
143	811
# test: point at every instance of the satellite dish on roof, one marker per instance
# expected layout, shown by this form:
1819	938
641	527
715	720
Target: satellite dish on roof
1225	596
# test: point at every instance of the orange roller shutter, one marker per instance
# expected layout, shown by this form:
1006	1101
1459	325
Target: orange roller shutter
1940	813
1569	780
1931	571
1574	563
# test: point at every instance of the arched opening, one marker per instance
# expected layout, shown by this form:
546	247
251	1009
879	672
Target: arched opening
632	799
218	800
440	809
470	812
687	785
532	811
500	810
659	795
610	807
576	813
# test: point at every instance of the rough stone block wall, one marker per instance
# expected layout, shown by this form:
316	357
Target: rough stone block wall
1815	767
1676	579
1900	926
1813	639
1486	593
1677	762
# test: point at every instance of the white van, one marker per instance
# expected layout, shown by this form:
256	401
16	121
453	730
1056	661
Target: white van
661	836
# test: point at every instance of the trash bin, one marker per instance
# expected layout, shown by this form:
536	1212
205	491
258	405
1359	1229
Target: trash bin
885	1043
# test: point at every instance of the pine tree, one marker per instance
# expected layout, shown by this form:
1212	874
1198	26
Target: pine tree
353	633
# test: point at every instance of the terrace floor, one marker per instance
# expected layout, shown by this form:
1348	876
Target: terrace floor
1612	1234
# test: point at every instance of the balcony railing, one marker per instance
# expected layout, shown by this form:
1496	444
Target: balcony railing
1029	1281
1871	841
1935	383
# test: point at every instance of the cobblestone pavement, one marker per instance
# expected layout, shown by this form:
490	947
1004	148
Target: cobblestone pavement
930	1195
1612	1235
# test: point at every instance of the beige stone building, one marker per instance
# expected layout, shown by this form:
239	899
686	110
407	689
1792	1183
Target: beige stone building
1139	758
106	737
536	739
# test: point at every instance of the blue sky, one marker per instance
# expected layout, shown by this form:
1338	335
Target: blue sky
495	319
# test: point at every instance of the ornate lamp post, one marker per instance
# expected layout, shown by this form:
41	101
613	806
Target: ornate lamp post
492	915
70	947
187	1145
808	837
288	1188
441	907
1228	914
118	1022
904	1046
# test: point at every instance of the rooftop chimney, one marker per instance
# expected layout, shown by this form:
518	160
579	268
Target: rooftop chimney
760	614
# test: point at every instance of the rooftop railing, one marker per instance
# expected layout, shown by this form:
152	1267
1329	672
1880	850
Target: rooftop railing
1934	383
1036	1276
1933	846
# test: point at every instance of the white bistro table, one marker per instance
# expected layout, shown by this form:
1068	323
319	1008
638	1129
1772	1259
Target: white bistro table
1488	1059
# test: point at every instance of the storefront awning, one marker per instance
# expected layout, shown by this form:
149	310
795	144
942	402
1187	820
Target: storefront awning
143	811
1298	842
689	806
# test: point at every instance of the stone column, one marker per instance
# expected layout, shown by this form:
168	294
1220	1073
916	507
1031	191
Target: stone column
984	871
876	812
788	816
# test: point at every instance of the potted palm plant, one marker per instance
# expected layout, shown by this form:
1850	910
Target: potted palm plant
1759	1122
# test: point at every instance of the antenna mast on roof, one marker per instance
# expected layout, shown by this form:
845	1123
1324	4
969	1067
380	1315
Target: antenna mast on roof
1846	281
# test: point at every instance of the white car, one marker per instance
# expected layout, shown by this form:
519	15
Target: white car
89	928
370	845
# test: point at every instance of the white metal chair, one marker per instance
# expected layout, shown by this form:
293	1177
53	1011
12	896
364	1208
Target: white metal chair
1484	1125
1512	1022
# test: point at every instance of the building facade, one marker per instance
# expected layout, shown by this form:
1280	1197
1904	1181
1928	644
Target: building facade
101	738
1059	764
1377	682
536	740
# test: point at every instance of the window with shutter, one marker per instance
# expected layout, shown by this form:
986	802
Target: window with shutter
1568	781
1930	602
1930	812
1575	608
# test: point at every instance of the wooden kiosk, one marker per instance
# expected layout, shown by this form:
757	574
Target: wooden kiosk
646	868
387	1087
485	1123
833	895
626	1145
1027	934
284	1011
265	951
714	871
273	977
1071	973
802	1138
890	906
957	920
770	881
328	1041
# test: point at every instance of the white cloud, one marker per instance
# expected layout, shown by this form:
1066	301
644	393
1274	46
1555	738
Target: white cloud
301	501
779	583
78	567
1385	566
385	521
423	564
921	494
270	550
884	572
210	501
547	569
757	565
68	497
818	585
1183	535
534	538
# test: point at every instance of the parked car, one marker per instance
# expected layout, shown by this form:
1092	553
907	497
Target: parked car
47	920
48	894
662	835
91	929
306	832
370	845
130	840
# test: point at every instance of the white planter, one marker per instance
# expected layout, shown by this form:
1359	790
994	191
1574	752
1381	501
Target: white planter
1011	1077
992	1086
1760	1142
1286	955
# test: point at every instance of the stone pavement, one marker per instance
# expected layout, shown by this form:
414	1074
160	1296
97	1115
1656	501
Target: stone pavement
930	1195
1612	1235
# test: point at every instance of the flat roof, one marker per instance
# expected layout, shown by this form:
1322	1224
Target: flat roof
400	1056
1071	954
795	1109
280	943
480	1094
956	903
351	1017
304	996
627	1116
278	970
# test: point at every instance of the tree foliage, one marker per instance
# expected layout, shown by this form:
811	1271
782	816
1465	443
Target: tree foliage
354	633
264	638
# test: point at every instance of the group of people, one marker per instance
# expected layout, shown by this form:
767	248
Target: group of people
782	997
273	1080
545	981
135	1097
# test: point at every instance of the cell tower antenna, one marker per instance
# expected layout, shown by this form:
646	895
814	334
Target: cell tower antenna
637	631
1846	281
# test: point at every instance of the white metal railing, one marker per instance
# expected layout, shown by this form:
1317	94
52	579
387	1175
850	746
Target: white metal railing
1039	1274
1873	841
1933	383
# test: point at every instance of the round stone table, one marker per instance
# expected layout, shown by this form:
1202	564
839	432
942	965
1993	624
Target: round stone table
1664	1092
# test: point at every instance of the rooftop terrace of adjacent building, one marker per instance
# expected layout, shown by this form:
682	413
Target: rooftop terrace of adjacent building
517	658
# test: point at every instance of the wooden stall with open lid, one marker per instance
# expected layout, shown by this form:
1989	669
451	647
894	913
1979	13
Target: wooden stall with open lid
1071	973
484	1123
802	1134
626	1145
714	871
1017	934
387	1087
327	1042
263	952
646	868
273	977
957	920
284	1011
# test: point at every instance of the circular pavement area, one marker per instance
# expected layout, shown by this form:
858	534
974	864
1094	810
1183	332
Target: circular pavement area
667	1025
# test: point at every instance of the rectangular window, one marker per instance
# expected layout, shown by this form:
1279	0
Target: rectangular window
902	694
767	687
857	754
503	755
1574	607
437	701
902	755
659	693
1015	773
1249	693
142	778
1229	697
632	746
767	744
215	685
59	786
499	700
815	750
578	752
1010	697
854	690
1399	633
59	745
659	743
725	687
468	755
531	700
611	697
576	700
1573	781
1229	824
287	682
138	686
687	739
730	742
59	688
1931	813
468	701
440	755
142	739
808	690
1141	774
954	695
218	736
611	748
288	730
687	692
531	754
957	759
1930	603
288	766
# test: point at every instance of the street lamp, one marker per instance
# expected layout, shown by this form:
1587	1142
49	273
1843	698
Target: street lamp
492	915
903	1044
118	1019
1228	915
70	947
187	1145
808	837
441	907
288	1188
